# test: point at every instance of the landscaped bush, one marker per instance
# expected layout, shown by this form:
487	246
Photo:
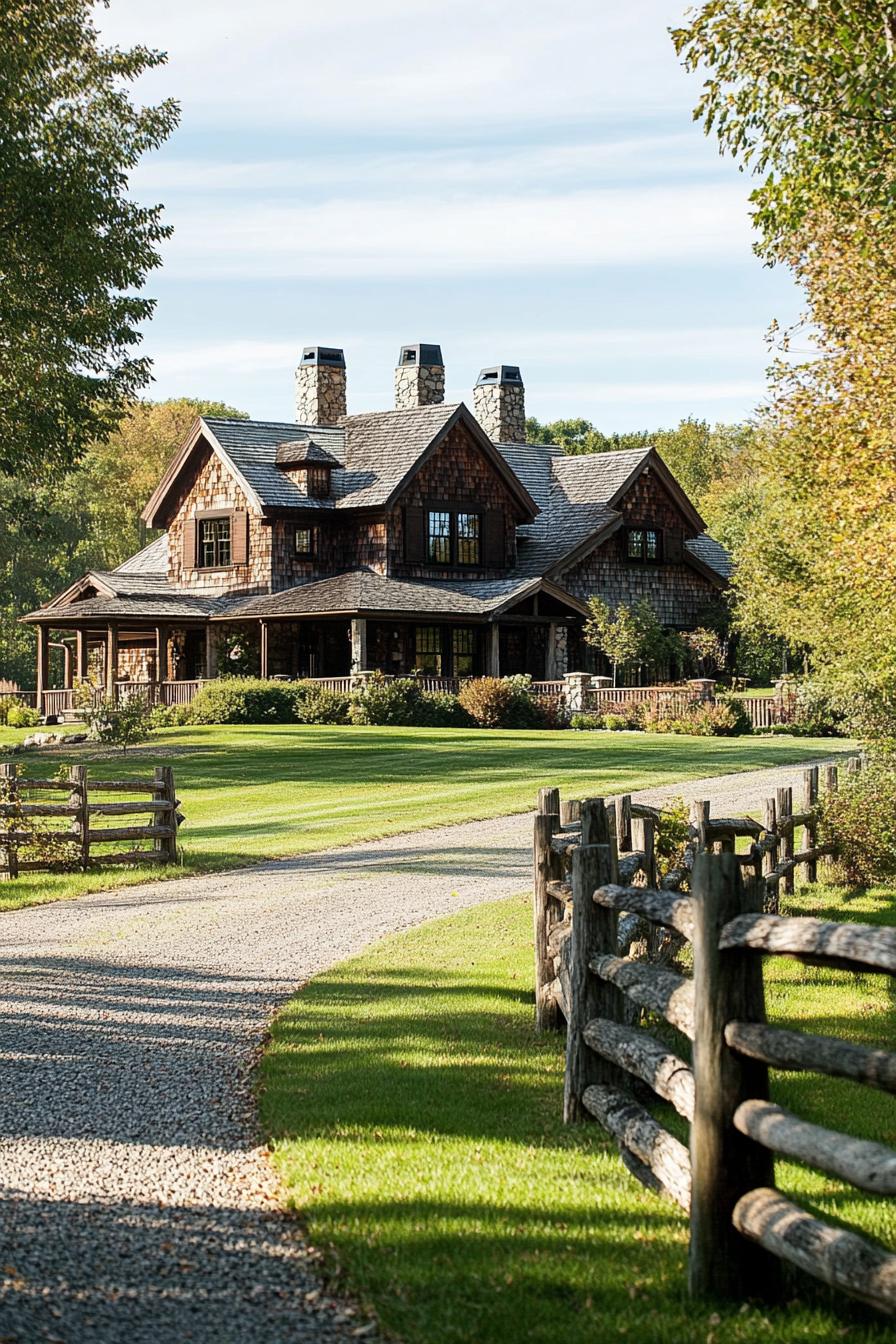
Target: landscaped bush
815	715
16	714
584	722
500	702
721	718
443	710
170	716
551	712
317	704
395	703
860	820
243	700
118	723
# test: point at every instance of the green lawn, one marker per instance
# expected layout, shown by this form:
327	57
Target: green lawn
414	1116
262	792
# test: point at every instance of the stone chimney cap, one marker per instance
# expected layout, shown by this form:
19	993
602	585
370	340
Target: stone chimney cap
500	373
428	356
304	452
324	354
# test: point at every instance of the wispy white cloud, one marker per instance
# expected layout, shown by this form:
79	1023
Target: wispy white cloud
485	233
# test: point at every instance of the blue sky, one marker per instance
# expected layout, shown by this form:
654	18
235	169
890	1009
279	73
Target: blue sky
519	182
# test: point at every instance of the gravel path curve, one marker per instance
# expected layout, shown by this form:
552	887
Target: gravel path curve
138	1205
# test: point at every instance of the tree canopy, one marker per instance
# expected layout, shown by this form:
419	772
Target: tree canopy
53	528
74	248
806	94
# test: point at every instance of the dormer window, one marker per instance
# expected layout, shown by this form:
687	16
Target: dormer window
308	466
643	545
453	538
318	481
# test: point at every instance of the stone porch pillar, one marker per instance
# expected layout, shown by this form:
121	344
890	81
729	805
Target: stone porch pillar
704	688
556	655
359	644
575	693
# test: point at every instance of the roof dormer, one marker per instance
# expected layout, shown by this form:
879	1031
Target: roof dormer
308	466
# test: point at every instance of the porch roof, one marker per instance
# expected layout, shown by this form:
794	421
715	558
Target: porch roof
363	592
164	604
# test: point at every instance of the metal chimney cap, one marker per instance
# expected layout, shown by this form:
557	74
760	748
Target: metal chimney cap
500	373
323	354
421	356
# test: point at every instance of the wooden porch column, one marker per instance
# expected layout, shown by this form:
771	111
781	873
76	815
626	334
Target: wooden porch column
263	652
161	653
43	664
359	644
211	651
67	666
81	655
111	658
493	651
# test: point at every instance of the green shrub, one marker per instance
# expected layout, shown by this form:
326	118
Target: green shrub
814	713
583	722
443	710
386	702
614	723
317	704
550	712
116	723
860	820
672	835
705	718
170	716
20	715
243	700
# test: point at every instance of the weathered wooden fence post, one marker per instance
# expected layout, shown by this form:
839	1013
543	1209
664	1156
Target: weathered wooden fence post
785	830
546	868
9	793
810	831
594	931
570	812
830	782
80	825
724	1164
163	791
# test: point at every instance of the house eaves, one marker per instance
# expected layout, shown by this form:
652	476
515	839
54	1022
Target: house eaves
153	515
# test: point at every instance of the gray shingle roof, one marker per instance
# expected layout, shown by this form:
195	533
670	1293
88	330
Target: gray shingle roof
377	452
162	604
712	553
362	590
297	452
153	559
573	494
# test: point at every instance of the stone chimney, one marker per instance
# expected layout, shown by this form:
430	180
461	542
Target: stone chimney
419	377
499	403
320	386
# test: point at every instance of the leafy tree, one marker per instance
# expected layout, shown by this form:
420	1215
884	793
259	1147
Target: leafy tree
74	248
615	634
53	528
580	436
806	95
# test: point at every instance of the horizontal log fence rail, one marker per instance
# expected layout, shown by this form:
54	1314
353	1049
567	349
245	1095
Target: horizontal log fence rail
596	888
38	833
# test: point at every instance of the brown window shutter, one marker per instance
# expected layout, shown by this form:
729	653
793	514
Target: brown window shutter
414	535
189	544
671	547
239	537
494	545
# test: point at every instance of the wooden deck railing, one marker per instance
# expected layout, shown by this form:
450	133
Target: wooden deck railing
741	1227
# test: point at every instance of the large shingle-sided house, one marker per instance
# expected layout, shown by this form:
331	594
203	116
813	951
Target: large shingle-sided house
428	537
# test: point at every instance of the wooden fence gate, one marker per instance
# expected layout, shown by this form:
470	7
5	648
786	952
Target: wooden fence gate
741	1227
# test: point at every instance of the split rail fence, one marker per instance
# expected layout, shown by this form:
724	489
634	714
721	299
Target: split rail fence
25	805
596	891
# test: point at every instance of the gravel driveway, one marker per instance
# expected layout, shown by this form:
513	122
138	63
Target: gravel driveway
138	1207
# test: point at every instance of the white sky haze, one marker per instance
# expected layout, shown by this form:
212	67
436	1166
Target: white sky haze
521	183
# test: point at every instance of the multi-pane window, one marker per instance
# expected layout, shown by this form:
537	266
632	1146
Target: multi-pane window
428	649
462	646
453	538
319	481
643	543
305	541
468	538
438	547
214	543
